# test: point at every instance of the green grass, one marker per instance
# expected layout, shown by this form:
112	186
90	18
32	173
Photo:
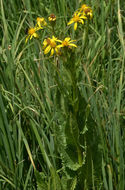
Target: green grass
62	125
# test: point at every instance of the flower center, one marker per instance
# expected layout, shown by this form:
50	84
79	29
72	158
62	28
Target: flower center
65	43
38	19
53	44
48	41
52	17
87	10
76	18
31	31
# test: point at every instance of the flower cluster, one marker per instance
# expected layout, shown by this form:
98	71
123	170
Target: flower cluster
83	13
55	45
50	44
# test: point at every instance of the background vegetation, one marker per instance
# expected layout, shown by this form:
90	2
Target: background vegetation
62	130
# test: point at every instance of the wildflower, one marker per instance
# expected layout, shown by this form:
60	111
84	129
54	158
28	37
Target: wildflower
77	18
67	42
83	7
41	22
52	18
51	45
32	33
86	10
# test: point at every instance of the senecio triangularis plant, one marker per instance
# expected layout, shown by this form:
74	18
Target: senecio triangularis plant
70	105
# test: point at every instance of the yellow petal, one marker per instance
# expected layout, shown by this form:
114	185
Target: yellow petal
81	21
72	41
70	22
39	23
35	35
83	17
90	15
78	13
75	26
67	39
73	45
52	52
47	49
54	38
27	39
57	49
59	46
59	41
31	37
38	28
45	43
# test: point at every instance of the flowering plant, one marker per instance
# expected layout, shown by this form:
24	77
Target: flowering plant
64	54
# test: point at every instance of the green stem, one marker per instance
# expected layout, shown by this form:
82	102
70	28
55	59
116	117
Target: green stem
85	35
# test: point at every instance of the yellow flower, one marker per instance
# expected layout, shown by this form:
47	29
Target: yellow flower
41	22
32	33
51	45
77	17
52	18
67	42
86	10
83	7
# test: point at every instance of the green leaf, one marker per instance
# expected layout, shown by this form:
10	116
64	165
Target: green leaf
41	180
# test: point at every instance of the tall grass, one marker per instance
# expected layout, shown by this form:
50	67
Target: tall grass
62	126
